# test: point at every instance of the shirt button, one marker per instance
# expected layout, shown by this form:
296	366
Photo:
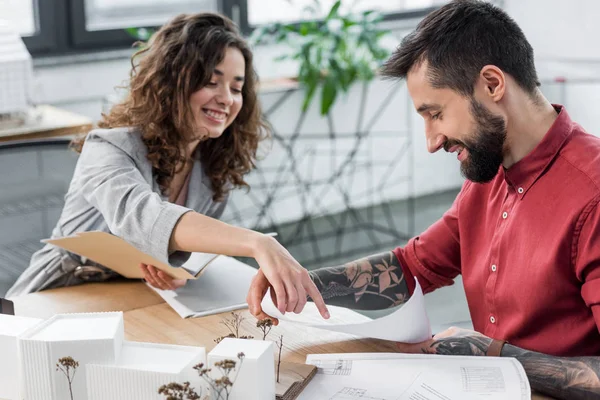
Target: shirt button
492	319
504	215
520	190
494	268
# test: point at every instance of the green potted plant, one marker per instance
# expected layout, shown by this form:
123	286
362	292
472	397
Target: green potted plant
333	53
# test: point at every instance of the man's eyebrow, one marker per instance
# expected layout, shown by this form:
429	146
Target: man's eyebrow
428	107
237	78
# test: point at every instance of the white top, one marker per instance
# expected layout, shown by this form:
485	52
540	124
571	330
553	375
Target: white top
71	327
11	325
252	349
158	358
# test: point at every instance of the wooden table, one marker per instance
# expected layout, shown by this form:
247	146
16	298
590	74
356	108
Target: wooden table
51	122
149	319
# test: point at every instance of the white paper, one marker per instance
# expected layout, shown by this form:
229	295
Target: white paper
408	324
221	287
395	376
197	262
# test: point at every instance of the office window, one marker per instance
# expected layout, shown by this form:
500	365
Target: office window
21	15
269	11
119	14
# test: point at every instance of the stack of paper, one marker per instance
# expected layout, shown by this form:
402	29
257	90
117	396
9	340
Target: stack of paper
10	329
141	369
393	376
223	287
87	338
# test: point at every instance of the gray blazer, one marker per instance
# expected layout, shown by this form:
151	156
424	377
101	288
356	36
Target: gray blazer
113	190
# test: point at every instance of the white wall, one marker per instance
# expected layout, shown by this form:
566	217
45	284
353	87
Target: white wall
563	34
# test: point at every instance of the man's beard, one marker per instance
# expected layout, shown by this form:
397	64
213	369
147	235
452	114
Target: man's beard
485	149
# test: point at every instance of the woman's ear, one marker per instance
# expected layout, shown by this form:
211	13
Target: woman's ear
494	81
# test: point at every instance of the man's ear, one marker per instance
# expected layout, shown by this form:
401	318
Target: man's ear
494	82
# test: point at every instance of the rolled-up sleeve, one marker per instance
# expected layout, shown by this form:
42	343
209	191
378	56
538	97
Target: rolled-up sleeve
434	256
587	258
112	183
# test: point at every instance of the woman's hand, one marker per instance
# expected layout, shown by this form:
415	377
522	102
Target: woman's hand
159	279
287	279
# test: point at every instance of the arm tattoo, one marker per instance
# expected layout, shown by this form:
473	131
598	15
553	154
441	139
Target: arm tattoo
576	378
459	346
372	283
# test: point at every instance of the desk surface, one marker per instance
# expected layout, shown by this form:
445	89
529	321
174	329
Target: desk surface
149	319
50	122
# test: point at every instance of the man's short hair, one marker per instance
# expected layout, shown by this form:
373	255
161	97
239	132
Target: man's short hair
459	39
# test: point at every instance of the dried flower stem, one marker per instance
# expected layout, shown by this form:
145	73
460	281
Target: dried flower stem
280	345
265	326
221	386
68	367
177	391
234	324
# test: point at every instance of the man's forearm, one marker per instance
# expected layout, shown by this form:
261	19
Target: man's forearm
574	378
371	283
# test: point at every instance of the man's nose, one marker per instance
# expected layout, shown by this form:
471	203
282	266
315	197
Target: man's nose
435	142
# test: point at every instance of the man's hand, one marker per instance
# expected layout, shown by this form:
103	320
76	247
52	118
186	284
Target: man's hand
159	279
453	341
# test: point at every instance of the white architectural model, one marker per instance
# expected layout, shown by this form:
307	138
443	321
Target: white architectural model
141	369
88	338
255	380
11	328
16	72
110	368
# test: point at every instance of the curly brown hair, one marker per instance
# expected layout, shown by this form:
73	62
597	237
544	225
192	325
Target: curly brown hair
177	61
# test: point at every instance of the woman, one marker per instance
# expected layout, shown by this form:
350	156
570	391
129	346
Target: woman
159	172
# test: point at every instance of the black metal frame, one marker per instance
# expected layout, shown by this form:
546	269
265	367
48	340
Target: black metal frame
19	144
380	235
62	27
45	39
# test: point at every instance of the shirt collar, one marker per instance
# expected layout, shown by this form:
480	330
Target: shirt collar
522	175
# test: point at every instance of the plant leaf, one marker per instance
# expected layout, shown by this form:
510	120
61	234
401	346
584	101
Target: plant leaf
334	10
311	88
329	94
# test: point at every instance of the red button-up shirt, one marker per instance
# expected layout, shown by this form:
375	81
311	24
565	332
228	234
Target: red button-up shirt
527	245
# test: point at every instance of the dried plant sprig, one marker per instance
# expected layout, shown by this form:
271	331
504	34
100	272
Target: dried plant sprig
68	366
233	324
220	339
265	326
177	391
221	386
280	346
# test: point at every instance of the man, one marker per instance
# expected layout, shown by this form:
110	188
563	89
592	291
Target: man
525	229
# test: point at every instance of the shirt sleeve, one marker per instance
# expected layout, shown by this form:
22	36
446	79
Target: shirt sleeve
587	258
434	256
112	183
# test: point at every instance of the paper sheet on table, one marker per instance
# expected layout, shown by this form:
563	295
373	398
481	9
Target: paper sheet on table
408	324
394	376
222	287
